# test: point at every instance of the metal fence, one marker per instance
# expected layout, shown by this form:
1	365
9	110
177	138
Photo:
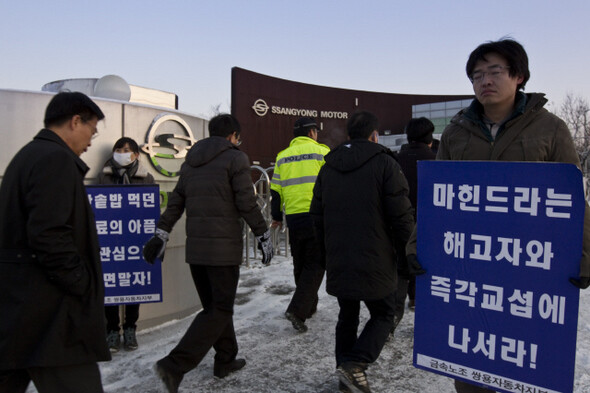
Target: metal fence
280	236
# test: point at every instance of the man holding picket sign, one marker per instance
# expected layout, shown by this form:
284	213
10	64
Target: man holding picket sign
505	124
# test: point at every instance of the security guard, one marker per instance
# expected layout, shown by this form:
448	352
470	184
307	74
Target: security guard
292	184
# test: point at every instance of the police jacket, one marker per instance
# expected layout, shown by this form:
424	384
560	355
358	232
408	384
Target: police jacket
360	207
294	175
215	189
51	286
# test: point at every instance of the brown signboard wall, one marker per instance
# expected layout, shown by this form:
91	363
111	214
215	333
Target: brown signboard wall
267	107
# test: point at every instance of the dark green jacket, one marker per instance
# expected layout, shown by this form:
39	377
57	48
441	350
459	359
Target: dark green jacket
532	134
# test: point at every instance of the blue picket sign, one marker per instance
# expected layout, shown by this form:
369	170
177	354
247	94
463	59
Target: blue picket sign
499	242
126	218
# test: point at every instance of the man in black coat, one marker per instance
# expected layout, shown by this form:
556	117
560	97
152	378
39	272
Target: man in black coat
215	189
360	206
52	329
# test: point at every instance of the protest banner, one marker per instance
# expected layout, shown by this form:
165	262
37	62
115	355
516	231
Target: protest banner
499	242
126	218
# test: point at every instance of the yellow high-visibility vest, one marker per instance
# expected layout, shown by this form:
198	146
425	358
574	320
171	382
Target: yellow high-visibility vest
296	169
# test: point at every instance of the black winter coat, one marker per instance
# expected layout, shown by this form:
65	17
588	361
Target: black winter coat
360	206
408	159
51	284
216	190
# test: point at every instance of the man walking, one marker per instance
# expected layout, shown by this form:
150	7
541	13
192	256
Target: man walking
215	190
360	207
292	184
52	329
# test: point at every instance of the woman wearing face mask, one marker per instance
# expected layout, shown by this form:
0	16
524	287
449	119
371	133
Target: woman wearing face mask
123	168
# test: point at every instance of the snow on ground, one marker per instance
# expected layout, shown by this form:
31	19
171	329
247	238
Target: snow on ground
279	359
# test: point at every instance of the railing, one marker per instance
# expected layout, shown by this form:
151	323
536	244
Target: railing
280	236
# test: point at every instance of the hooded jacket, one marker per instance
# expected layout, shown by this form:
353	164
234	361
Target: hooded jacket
531	134
215	189
360	206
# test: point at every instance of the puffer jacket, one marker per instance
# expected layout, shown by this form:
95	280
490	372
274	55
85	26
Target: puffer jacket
215	189
532	134
360	206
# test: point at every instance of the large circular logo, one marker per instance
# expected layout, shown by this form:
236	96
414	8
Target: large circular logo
260	107
168	140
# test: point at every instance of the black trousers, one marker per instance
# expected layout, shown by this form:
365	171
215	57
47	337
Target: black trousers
308	270
213	327
66	379
412	288
113	320
368	345
400	298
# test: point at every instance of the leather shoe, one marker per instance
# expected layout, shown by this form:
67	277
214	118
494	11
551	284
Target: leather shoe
222	370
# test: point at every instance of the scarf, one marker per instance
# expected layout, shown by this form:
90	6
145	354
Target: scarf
123	174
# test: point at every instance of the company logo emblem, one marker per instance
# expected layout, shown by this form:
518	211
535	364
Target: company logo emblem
260	107
166	149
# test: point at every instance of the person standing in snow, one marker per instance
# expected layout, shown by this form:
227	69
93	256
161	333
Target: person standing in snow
52	329
505	124
292	184
123	167
360	208
419	133
215	189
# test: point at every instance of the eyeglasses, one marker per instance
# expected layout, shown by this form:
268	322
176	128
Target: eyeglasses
94	130
493	72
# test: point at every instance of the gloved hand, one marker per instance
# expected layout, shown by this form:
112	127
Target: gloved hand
265	246
582	283
414	267
155	247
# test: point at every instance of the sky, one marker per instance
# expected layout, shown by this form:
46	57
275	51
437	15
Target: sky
188	47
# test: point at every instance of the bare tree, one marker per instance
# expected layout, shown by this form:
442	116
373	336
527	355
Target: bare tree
575	111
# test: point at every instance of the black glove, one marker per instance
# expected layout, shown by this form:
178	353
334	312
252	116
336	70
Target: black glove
582	283
414	267
155	247
265	246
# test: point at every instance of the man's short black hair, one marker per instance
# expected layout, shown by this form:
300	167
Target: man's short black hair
224	125
361	124
63	106
510	50
121	142
420	130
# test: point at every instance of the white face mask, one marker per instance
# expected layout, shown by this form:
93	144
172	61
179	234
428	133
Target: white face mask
122	159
